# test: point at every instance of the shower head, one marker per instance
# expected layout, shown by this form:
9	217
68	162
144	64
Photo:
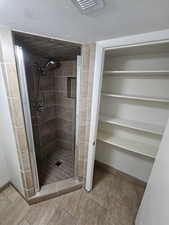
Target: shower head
51	64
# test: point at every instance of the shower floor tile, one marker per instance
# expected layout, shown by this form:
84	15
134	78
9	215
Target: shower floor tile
57	166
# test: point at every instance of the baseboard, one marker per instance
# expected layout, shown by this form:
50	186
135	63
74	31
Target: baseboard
119	173
4	186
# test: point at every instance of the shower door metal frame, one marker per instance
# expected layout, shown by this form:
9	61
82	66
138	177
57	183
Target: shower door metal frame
27	113
77	114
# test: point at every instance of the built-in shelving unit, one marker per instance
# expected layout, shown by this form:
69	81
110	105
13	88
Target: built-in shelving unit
134	107
145	127
139	148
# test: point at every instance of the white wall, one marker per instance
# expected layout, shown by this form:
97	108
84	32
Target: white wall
4	173
7	142
125	162
154	209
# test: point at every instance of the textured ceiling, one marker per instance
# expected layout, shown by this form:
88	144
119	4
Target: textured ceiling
47	47
61	19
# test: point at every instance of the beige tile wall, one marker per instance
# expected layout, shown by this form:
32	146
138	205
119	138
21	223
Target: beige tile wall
86	85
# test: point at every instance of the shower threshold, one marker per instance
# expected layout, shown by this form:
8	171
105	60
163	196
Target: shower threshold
56	189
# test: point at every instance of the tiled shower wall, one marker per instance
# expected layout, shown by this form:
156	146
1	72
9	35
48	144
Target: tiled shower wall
54	125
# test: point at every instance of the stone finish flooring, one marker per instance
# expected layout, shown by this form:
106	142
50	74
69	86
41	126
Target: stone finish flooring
50	173
113	201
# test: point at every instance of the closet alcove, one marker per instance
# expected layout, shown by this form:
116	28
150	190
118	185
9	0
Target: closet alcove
134	107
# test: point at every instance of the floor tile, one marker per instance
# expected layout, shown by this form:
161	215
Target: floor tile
90	212
40	214
61	217
101	186
11	194
23	222
71	202
14	213
4	204
49	172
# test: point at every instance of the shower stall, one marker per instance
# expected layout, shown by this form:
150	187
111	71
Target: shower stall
48	80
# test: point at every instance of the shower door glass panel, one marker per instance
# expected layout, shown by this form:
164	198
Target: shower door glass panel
26	110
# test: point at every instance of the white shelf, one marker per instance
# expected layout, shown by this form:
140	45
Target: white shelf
150	128
129	145
136	73
140	98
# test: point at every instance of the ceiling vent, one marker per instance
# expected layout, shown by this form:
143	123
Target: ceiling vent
87	6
